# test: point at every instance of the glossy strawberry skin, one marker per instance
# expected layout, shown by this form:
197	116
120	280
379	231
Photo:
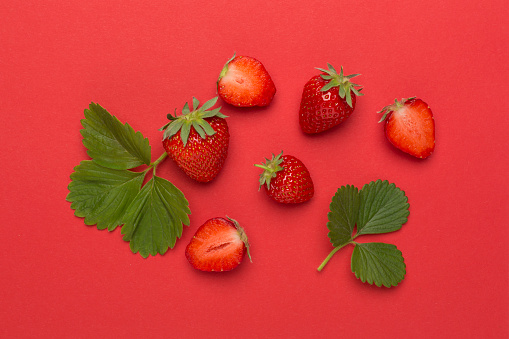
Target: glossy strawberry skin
217	246
320	111
244	82
202	158
293	184
412	128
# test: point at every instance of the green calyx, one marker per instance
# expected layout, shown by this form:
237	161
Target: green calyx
225	67
342	82
192	119
394	107
242	235
270	169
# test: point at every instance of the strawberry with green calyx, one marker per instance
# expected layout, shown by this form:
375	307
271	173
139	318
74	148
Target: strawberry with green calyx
410	126
244	82
198	140
218	245
328	99
286	179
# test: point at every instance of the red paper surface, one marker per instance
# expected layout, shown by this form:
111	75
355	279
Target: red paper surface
141	60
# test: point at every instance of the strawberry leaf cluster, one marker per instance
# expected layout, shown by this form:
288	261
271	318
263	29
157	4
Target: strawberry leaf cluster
107	192
379	207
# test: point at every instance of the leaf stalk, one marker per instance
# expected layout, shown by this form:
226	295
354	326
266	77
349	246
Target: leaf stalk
322	265
157	162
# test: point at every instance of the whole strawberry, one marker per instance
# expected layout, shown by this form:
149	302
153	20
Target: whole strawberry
410	126
327	100
286	179
198	140
244	82
218	245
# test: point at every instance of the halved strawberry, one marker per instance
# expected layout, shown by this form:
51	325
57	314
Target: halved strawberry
286	179
244	82
218	245
410	126
198	140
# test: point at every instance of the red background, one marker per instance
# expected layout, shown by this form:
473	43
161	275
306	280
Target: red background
141	60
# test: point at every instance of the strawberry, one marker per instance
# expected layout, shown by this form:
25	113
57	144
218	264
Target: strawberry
286	179
244	82
410	126
198	140
218	245
327	100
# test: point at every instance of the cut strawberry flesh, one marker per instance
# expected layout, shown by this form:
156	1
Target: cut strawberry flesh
216	246
241	86
411	128
245	82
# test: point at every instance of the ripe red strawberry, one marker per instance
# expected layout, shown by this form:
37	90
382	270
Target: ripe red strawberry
327	100
218	245
286	179
410	126
198	140
244	82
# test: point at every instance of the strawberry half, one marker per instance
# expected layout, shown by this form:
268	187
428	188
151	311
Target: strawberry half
218	245
244	82
410	126
198	140
286	179
327	100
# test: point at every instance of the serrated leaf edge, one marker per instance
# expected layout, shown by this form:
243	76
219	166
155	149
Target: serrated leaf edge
370	280
129	141
351	241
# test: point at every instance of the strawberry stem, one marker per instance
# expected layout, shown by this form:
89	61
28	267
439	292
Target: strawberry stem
154	164
159	160
322	265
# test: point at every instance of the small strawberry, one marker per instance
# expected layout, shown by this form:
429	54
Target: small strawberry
198	140
327	100
286	179
218	245
410	126
244	82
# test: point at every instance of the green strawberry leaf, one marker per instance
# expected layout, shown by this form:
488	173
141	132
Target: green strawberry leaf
379	207
102	195
378	263
383	208
343	215
155	218
108	194
113	144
